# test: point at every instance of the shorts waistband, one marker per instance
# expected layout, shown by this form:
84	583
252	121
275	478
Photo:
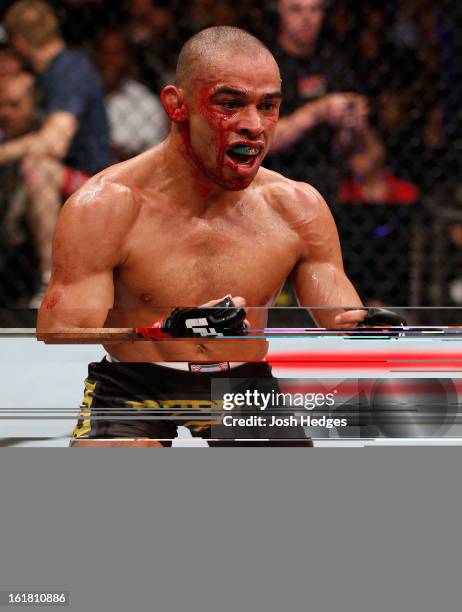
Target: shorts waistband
190	366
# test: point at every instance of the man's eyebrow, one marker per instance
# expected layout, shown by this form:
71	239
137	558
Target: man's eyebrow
234	91
273	94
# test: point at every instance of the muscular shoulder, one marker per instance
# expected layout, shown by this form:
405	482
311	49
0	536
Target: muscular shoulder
103	200
115	195
296	201
98	219
305	212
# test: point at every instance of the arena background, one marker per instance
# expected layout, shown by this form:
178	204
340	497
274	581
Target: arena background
405	56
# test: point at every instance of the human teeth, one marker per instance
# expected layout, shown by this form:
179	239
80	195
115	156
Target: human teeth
243	150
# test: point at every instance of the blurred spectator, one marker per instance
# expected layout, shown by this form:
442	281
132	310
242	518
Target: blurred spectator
404	31
375	225
400	128
83	20
18	114
136	118
455	252
372	182
437	158
404	55
342	22
318	100
254	17
149	21
153	32
200	14
17	257
10	62
206	13
376	56
75	128
450	41
225	13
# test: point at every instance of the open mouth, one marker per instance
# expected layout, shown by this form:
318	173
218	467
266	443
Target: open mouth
242	154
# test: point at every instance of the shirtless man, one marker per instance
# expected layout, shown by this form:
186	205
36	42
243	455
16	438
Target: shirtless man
189	221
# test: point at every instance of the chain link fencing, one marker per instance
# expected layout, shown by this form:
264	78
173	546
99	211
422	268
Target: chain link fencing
399	214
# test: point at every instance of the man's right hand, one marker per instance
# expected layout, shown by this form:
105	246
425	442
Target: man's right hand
344	110
223	317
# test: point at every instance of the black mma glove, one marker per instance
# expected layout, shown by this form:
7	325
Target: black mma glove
223	319
381	317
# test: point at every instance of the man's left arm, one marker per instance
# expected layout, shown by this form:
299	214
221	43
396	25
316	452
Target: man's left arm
319	278
52	139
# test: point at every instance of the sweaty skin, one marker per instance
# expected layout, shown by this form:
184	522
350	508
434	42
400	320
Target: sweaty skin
185	224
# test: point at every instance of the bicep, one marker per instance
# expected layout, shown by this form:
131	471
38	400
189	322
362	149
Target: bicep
85	254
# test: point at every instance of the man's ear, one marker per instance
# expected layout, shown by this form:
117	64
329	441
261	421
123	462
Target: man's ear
172	99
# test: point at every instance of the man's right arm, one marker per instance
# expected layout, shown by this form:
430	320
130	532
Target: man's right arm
335	109
89	243
52	139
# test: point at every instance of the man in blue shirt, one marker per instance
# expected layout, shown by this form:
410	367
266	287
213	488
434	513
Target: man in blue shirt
73	141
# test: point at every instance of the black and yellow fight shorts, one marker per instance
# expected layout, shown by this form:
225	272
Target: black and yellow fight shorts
146	400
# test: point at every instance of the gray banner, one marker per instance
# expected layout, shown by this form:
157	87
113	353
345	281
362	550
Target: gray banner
232	530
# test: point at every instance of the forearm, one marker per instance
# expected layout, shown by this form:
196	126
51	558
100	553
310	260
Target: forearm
292	127
52	140
63	319
39	143
327	294
60	309
328	318
15	149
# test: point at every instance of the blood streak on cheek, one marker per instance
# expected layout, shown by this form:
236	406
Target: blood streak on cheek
52	300
221	130
222	138
221	142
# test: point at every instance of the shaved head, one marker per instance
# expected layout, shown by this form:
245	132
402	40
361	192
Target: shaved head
213	44
224	105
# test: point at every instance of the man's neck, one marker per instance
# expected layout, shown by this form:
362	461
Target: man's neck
190	181
291	47
43	56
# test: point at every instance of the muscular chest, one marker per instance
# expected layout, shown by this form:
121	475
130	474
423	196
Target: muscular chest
180	262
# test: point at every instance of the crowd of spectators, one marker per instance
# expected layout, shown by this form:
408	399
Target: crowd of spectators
371	117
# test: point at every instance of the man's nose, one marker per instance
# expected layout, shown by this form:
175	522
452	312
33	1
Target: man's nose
307	17
250	122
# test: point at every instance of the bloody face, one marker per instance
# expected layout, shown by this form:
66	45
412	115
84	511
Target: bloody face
233	106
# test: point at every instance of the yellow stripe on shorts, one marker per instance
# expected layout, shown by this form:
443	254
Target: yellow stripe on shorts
84	423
